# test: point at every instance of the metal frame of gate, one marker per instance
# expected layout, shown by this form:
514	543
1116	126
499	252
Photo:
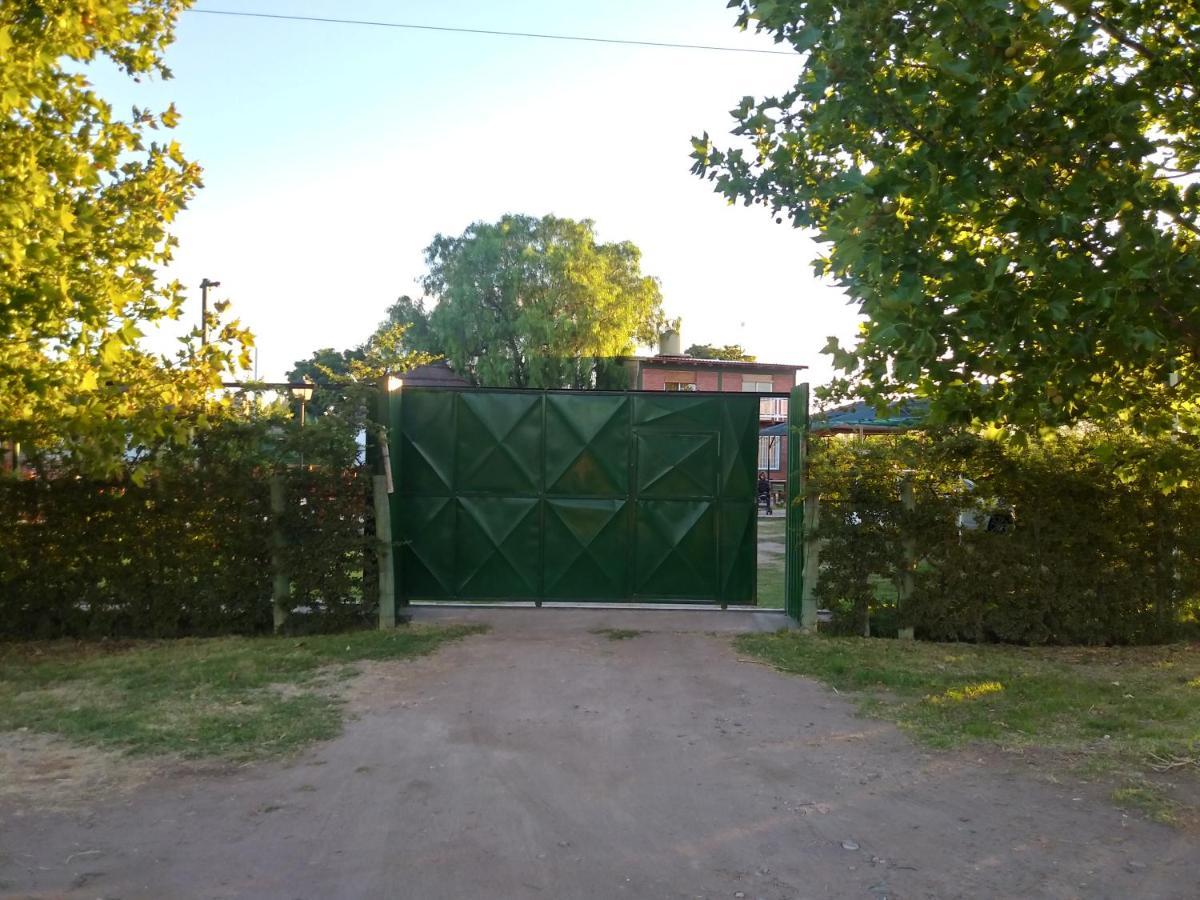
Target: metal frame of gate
499	494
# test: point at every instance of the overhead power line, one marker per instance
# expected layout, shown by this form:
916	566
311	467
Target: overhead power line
493	33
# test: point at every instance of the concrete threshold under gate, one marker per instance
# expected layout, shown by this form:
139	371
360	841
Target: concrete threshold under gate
569	617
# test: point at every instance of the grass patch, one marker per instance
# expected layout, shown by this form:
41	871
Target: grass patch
618	634
1126	714
239	698
771	561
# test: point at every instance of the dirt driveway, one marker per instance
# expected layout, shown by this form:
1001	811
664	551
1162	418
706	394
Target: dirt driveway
543	760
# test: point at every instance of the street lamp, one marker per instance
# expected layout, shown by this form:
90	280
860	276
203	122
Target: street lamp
302	392
204	286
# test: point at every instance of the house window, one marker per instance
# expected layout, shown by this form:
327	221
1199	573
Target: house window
773	409
768	453
679	386
757	387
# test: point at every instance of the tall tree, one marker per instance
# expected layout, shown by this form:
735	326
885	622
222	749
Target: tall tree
733	352
528	302
1009	191
85	201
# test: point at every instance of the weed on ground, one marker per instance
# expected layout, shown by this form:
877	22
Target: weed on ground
234	697
1130	716
618	634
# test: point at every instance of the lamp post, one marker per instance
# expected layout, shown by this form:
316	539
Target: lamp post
204	286
302	392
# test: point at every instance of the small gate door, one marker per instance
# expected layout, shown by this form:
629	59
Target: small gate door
574	495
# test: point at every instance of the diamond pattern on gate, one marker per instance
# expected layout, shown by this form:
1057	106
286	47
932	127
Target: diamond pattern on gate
739	545
739	446
673	411
499	442
585	548
587	445
675	540
427	548
426	443
498	547
672	464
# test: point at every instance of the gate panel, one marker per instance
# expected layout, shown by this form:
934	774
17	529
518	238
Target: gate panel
739	450
425	443
587	543
677	464
499	547
738	552
427	556
675	552
587	445
574	495
499	443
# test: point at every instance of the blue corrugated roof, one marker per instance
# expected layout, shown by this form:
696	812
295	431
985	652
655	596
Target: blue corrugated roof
862	415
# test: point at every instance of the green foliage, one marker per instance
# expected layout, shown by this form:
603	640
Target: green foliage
1009	191
214	697
85	202
347	379
187	550
1088	557
734	352
536	303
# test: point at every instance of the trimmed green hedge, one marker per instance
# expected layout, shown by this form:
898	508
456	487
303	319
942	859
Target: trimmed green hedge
186	553
1089	556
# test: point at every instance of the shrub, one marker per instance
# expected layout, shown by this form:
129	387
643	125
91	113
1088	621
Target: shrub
188	550
1086	558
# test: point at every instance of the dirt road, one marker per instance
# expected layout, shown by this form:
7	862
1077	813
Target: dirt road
543	760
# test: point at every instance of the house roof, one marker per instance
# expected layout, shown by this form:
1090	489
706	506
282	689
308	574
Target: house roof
677	362
434	374
861	416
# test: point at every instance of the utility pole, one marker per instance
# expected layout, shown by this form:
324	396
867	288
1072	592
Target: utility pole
204	286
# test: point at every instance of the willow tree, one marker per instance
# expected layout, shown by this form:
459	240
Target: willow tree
529	302
1008	190
86	197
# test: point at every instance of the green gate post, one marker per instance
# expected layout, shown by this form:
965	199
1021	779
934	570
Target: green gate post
800	607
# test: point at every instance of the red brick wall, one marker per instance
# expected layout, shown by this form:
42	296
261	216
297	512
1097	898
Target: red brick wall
711	379
656	379
785	381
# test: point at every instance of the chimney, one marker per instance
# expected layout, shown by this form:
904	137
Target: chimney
669	343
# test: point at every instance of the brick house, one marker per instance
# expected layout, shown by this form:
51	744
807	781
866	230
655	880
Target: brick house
670	370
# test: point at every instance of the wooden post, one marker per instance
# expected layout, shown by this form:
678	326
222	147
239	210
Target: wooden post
908	547
383	552
812	561
281	588
387	421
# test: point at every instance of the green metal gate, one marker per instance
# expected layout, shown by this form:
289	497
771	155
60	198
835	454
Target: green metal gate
572	495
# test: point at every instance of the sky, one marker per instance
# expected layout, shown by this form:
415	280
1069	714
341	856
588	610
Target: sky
334	153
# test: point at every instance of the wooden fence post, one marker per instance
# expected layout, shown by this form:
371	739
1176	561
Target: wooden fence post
383	551
281	588
908	548
812	561
386	418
